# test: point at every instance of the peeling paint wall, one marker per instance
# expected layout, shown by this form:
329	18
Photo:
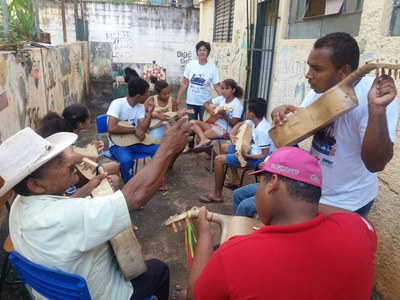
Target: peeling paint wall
35	81
289	86
231	57
131	34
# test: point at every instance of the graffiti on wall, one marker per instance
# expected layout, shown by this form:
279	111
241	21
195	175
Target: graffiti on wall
122	45
290	86
184	57
32	83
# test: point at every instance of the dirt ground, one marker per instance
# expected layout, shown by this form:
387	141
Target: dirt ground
183	192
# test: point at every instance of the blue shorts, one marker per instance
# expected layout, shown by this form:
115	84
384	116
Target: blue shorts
233	162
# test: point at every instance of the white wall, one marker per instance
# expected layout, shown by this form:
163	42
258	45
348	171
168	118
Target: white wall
138	34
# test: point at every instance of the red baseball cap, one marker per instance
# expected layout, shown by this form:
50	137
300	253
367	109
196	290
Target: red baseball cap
294	163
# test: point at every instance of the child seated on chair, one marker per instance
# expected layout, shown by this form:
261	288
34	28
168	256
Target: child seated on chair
75	118
132	110
259	147
222	119
163	101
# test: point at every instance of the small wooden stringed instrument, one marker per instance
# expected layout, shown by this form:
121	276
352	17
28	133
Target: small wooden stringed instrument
88	151
230	225
128	139
171	115
242	144
331	105
208	118
126	247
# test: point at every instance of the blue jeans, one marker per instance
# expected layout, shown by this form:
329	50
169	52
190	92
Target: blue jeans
126	155
198	115
363	211
233	162
244	200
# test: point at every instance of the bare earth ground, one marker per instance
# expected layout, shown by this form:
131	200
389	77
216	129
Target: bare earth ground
183	192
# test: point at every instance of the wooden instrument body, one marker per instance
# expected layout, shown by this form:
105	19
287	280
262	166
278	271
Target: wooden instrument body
330	106
230	225
128	139
85	170
171	115
208	118
125	245
242	144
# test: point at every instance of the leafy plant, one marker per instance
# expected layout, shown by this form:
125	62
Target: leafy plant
21	22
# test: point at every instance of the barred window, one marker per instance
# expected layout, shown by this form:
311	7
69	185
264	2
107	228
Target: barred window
316	18
223	23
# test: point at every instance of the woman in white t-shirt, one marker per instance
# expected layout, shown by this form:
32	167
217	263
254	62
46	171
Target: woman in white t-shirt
197	79
221	120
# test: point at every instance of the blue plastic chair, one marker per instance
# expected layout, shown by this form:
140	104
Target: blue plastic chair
101	122
49	283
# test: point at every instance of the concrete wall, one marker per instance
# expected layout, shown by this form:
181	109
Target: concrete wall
130	34
35	81
289	86
230	58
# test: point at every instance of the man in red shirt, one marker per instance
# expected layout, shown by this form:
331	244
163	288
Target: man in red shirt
299	254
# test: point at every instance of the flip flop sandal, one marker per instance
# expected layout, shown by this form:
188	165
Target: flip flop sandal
231	186
209	199
201	148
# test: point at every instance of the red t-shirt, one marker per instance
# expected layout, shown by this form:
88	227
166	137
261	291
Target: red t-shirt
326	258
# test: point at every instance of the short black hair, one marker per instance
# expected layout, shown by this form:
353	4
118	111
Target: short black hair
258	106
22	188
344	47
205	44
137	86
160	84
129	74
298	190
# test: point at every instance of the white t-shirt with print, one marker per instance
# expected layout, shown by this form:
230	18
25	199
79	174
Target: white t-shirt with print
200	79
347	183
260	137
122	110
234	110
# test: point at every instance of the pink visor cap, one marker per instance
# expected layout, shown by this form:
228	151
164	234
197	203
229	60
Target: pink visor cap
294	163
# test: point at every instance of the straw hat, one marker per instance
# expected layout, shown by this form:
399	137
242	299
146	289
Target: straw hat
25	152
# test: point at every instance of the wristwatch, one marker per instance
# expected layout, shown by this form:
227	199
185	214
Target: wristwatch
133	129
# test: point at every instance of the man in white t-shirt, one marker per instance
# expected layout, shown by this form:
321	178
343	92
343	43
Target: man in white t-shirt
259	147
360	143
132	110
197	79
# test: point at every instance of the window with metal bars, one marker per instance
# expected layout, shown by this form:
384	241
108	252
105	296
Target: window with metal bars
316	18
395	21
223	22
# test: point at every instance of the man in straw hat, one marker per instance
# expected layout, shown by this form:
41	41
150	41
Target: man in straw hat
299	254
72	234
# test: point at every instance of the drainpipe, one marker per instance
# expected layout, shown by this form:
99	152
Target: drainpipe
64	25
5	18
37	20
